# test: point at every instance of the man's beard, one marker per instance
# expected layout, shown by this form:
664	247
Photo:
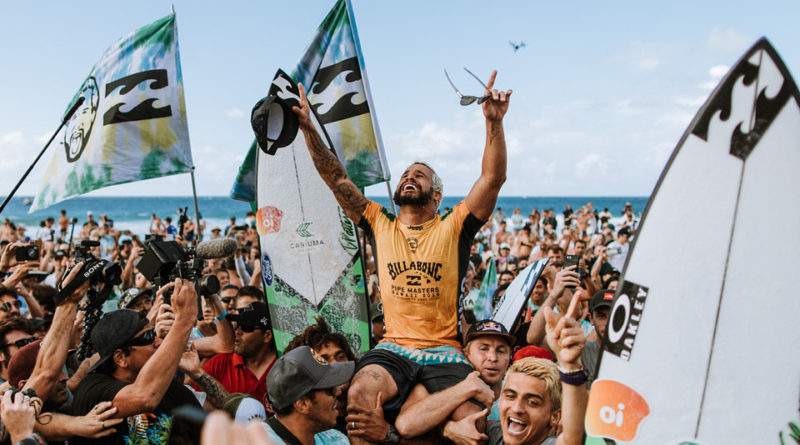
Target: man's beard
422	200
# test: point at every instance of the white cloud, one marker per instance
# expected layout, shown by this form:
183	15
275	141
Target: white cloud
11	139
235	113
715	74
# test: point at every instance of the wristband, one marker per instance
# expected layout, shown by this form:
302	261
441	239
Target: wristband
577	377
221	316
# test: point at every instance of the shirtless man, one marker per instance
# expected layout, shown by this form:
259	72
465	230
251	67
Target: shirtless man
419	279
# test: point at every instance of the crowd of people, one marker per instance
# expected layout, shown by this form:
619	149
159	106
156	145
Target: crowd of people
88	358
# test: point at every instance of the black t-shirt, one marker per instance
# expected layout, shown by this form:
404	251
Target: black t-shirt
97	387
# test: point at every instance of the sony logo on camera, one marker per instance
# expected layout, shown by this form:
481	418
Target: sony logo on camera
89	272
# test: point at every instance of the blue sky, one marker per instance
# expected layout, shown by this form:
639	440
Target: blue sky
602	90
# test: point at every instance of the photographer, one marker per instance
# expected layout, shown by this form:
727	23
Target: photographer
131	372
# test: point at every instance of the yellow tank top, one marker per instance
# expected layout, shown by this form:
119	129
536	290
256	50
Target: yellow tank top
420	269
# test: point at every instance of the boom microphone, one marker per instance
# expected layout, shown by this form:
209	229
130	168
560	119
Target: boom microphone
218	248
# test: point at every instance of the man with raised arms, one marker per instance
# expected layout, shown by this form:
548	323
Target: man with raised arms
421	258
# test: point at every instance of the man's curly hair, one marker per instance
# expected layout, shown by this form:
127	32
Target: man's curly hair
316	335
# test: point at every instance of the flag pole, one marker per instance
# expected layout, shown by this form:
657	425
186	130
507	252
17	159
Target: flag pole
69	114
373	113
194	187
196	210
389	192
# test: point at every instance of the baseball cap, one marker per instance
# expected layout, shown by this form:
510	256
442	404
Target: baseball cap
244	407
533	351
21	365
601	298
255	313
624	231
125	239
301	371
113	330
131	294
216	229
505	246
490	327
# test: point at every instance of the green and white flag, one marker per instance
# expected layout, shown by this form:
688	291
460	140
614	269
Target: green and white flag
483	303
332	71
132	125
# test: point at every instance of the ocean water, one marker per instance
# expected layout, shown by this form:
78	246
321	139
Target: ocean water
133	212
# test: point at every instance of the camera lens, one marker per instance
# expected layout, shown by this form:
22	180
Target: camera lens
112	273
209	285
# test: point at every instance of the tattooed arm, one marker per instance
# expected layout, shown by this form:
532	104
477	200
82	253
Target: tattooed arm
215	392
330	169
483	196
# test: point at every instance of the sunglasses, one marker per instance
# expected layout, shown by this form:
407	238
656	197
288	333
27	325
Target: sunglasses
227	300
245	327
5	307
144	339
20	343
468	100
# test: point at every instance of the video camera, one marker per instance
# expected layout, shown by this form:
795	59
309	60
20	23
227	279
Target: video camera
164	261
96	271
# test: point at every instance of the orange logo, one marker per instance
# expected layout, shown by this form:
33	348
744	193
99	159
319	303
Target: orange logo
268	220
614	411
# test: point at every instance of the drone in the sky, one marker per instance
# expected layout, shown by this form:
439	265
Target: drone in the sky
516	46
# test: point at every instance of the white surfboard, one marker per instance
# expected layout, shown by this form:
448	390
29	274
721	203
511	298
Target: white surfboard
510	307
702	342
310	257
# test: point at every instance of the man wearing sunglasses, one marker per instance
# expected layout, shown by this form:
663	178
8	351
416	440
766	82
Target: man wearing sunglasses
9	303
135	370
245	370
228	297
421	260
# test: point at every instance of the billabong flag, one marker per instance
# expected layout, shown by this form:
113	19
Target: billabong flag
132	125
332	71
483	304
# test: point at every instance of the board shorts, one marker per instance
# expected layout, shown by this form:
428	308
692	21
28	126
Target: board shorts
436	368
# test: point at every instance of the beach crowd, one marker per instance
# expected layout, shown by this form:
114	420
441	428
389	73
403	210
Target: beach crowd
97	348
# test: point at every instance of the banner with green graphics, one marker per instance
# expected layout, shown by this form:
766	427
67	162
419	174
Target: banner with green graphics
132	124
333	73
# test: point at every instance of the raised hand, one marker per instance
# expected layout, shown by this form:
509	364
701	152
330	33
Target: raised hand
566	277
565	336
78	293
164	320
184	300
495	108
303	112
